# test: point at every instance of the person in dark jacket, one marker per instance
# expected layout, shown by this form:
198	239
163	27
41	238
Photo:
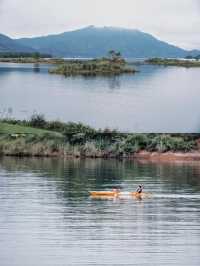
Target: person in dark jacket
139	189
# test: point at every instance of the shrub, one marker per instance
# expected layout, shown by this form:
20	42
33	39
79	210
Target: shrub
38	120
135	142
165	143
74	128
79	138
90	150
55	126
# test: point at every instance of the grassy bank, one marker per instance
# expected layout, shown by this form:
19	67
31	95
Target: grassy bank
8	128
94	67
43	138
173	62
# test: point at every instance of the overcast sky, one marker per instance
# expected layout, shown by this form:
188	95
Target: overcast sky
175	21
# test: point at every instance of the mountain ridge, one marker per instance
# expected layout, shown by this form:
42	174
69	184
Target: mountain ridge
8	45
94	41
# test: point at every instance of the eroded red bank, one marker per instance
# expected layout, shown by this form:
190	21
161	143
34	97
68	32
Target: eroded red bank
167	156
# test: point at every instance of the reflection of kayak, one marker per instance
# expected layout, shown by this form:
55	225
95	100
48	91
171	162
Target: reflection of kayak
118	194
104	193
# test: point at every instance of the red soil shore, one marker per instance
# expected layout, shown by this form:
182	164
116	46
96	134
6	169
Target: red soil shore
167	156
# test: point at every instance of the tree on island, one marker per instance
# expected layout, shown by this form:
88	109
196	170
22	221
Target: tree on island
36	56
115	56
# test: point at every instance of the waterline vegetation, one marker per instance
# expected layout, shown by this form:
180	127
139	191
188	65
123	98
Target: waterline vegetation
173	62
39	137
29	58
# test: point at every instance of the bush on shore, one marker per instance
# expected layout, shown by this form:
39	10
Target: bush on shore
76	139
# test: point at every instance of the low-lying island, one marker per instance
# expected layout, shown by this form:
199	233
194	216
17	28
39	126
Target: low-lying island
103	66
173	62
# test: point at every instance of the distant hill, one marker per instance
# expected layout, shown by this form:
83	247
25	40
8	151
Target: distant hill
95	42
9	45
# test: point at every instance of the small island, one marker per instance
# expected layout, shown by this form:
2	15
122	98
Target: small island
173	62
114	64
197	57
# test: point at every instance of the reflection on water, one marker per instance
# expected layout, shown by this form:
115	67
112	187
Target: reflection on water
48	218
36	67
157	99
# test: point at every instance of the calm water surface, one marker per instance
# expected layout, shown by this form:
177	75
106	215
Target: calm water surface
48	219
158	99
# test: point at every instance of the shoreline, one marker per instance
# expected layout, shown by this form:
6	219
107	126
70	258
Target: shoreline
173	62
168	156
40	138
48	61
142	155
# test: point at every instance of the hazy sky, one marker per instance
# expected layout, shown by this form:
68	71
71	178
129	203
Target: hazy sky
175	21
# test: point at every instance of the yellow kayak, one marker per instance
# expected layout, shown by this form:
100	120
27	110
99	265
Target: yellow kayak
117	194
104	193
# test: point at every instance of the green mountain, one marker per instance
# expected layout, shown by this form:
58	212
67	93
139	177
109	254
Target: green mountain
9	45
95	42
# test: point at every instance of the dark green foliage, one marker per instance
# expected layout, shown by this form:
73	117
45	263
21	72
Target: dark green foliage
115	56
74	128
55	126
135	143
173	62
79	138
35	55
38	120
164	143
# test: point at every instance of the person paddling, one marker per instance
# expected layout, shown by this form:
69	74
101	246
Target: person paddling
139	189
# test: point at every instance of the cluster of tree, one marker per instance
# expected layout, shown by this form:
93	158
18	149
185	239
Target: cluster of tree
193	57
115	56
34	55
173	62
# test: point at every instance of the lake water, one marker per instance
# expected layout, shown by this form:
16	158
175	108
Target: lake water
158	99
48	219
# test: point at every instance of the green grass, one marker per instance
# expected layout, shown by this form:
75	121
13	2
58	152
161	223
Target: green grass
6	128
